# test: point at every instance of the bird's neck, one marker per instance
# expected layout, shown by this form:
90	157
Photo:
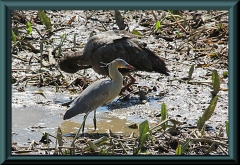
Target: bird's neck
84	60
115	75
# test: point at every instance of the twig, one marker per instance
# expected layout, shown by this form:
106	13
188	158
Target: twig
217	16
15	56
178	24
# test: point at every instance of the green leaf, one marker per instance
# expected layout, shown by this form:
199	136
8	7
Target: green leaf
14	38
29	28
225	74
144	134
215	83
190	72
45	20
185	145
119	20
179	150
136	32
147	152
200	123
164	116
15	30
226	124
158	25
143	131
209	111
59	136
56	86
178	34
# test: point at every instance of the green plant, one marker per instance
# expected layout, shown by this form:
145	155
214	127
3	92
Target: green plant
119	20
178	34
158	26
225	74
14	38
164	116
190	72
144	134
207	113
63	38
220	27
215	83
227	128
136	32
29	28
45	20
179	150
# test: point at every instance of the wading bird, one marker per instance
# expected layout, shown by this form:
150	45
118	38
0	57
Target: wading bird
107	46
99	92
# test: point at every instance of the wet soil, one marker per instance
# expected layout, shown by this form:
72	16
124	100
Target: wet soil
40	89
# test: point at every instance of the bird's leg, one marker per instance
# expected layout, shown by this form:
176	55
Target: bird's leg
129	84
82	126
94	120
83	123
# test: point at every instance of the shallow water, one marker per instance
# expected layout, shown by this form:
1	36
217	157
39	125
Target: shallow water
33	114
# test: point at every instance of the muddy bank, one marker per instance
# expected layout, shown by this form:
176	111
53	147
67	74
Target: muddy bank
198	38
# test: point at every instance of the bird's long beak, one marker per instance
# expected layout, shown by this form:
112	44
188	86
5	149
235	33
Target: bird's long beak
132	68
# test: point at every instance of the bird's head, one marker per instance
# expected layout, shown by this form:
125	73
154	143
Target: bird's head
119	63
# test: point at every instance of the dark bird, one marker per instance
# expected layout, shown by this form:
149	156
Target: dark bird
107	46
99	92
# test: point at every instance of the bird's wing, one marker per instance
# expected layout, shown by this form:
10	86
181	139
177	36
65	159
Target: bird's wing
106	48
91	98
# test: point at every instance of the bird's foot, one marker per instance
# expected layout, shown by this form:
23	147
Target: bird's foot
123	93
95	123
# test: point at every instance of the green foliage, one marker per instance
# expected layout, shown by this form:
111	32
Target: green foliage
14	38
59	141
63	38
45	20
29	28
15	30
56	86
66	152
220	27
158	26
119	20
200	123
144	133
179	150
225	74
164	116
185	145
103	151
136	32
178	34
190	72
74	39
227	128
215	83
147	152
207	113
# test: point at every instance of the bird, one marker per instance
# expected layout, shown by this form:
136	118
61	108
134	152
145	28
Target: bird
109	45
98	93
